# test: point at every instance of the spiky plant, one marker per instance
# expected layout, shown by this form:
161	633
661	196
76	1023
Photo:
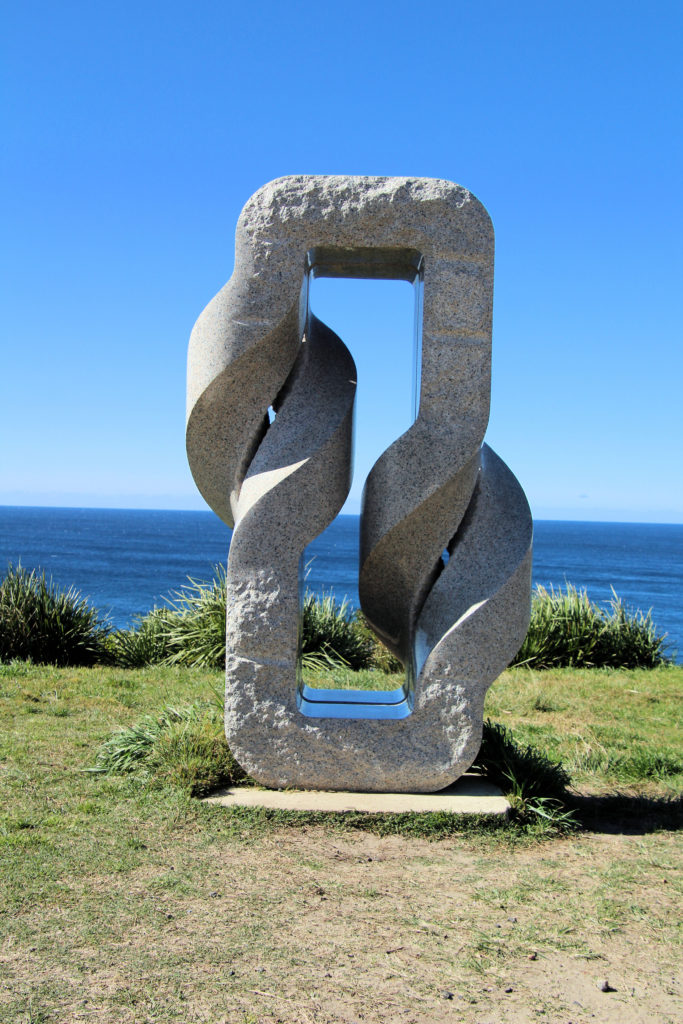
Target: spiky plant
195	628
568	630
381	658
185	747
50	626
329	629
147	643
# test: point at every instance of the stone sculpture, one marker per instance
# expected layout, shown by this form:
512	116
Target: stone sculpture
455	622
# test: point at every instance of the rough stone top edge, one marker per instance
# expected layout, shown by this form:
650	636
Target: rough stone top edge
361	182
312	196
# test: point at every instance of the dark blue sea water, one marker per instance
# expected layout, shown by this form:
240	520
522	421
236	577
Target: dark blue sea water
126	561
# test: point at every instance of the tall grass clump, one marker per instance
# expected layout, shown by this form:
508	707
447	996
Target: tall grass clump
567	630
194	627
148	643
381	658
184	747
49	626
191	631
535	786
330	630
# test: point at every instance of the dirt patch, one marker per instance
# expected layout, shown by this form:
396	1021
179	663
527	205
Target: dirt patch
305	926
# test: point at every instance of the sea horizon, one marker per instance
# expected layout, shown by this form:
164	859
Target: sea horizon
149	508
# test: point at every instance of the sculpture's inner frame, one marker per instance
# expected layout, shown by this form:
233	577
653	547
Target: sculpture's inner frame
368	264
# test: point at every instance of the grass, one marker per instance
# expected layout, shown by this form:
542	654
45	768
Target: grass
186	747
123	898
534	784
194	630
183	747
609	728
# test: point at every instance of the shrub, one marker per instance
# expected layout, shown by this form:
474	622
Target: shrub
332	631
184	747
147	644
568	630
193	630
381	658
195	758
42	623
49	626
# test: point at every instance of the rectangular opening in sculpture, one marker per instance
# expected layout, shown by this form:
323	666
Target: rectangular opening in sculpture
362	297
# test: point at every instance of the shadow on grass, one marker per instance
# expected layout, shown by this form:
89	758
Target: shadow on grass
622	814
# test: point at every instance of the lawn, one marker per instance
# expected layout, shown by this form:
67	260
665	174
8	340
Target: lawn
123	899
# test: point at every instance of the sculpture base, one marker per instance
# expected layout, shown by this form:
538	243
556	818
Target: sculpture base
469	795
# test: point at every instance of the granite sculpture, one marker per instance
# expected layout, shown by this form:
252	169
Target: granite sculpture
445	551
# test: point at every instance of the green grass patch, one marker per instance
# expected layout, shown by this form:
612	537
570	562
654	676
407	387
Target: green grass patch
186	747
613	732
608	727
340	677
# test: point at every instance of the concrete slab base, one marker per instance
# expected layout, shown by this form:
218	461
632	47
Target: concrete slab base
469	795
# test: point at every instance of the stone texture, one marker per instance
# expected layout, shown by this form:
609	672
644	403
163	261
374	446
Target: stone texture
256	346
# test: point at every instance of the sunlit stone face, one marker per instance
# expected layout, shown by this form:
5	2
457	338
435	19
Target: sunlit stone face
280	478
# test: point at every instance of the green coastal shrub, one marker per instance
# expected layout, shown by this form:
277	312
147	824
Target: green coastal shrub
332	631
183	747
381	658
191	631
194	629
49	626
147	643
567	630
42	623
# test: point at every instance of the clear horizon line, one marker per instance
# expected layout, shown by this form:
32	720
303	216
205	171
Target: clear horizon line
536	518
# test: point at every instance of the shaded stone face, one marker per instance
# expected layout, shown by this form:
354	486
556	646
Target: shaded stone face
455	625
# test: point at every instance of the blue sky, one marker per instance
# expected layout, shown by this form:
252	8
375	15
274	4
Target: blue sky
135	132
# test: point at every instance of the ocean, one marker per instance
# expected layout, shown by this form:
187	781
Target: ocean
127	561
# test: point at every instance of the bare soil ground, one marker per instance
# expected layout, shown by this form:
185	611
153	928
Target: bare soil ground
306	926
